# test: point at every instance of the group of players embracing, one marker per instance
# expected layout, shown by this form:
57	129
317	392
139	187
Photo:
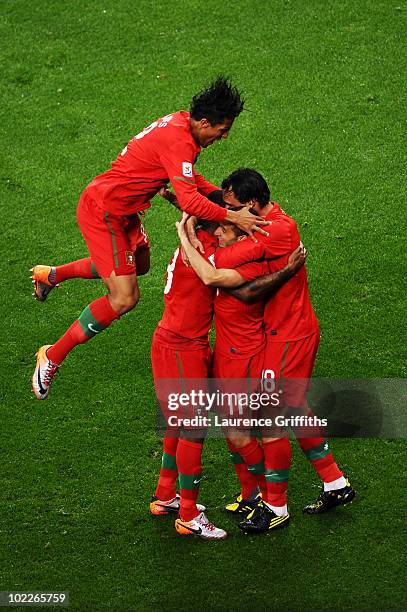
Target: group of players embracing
255	286
265	326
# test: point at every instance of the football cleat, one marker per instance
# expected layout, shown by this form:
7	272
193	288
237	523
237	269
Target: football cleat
330	499
242	506
171	506
201	527
42	284
43	373
263	520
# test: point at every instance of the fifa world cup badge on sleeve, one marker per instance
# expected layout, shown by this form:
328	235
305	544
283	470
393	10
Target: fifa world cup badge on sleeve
187	169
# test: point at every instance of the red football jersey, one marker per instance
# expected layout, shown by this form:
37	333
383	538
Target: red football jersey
164	151
288	315
188	303
238	326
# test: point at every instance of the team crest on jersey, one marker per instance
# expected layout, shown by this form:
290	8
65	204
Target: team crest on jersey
130	258
187	169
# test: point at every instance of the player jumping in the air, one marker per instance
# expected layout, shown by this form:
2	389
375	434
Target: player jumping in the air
292	338
108	215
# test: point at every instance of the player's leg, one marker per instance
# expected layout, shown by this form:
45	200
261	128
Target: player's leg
45	278
272	512
193	365
139	243
108	246
246	500
192	519
299	366
245	451
165	500
248	482
171	365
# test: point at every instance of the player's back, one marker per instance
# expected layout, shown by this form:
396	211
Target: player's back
138	171
288	315
188	302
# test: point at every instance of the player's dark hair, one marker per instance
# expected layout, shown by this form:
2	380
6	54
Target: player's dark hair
220	101
207	226
248	184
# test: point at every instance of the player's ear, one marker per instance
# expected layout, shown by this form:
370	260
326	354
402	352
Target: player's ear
204	122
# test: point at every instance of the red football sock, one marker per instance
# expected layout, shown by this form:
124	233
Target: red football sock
168	472
96	317
253	456
277	459
248	481
318	453
81	268
189	456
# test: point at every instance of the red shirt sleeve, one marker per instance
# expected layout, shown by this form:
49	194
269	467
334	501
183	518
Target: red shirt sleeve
276	244
250	253
178	162
204	186
253	270
240	253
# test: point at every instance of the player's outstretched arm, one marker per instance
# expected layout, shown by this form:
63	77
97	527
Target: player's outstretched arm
206	272
255	290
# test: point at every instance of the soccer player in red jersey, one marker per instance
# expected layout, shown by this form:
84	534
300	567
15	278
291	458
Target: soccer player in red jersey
239	346
108	211
180	351
292	338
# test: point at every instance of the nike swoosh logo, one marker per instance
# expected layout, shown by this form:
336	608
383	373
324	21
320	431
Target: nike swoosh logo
197	481
92	329
41	388
197	531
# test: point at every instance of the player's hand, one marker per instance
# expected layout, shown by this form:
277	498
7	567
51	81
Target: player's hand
169	196
181	229
297	258
247	222
185	257
193	239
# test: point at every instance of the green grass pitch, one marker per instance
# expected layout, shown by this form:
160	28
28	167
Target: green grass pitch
325	87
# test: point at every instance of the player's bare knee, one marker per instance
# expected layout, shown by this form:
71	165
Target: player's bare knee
124	302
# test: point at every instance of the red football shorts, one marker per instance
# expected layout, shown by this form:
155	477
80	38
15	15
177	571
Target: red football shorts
236	377
244	368
172	369
290	364
112	240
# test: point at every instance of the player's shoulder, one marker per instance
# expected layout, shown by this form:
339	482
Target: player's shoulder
178	124
177	134
280	220
242	251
